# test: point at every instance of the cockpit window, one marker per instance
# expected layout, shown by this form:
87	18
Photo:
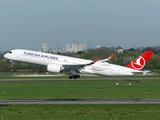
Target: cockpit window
10	52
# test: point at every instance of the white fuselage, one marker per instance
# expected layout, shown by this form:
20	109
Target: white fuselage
41	58
108	69
99	68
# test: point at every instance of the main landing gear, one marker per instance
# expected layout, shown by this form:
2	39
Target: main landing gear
74	76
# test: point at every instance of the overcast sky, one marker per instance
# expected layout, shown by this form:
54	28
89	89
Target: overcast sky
126	23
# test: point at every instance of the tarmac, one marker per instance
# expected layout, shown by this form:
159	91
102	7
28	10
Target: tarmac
76	101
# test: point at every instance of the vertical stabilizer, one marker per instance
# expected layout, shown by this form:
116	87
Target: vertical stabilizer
140	62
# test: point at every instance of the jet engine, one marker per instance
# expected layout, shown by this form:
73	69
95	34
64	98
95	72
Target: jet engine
54	68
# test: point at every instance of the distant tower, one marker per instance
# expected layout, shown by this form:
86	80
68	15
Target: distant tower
57	46
44	47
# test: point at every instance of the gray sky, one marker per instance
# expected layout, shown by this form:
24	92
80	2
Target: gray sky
29	23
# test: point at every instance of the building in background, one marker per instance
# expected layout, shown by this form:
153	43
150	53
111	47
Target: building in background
44	47
75	48
98	47
119	50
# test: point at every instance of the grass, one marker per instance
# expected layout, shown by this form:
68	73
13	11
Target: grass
80	112
80	89
14	76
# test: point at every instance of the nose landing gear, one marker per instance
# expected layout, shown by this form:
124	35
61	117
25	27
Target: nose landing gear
12	64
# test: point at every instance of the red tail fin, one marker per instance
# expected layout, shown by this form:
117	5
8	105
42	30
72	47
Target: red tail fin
140	62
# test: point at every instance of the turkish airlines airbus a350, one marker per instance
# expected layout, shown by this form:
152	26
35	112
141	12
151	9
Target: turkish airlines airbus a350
57	63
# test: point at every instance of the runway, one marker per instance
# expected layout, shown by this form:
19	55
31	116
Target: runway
76	101
63	79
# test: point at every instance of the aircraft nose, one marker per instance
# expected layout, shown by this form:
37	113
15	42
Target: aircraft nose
5	56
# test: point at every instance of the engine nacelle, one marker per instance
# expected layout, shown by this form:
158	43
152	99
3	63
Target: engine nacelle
54	68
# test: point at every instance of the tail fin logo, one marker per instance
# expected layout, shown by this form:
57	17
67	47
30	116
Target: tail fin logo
139	63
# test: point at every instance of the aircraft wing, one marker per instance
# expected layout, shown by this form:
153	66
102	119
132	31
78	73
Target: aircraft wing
75	66
107	59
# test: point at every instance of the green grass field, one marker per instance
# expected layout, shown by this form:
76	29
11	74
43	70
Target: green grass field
80	89
80	112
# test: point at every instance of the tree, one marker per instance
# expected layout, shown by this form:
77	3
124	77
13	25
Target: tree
6	68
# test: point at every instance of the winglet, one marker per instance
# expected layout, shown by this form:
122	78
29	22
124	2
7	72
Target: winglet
110	57
140	62
106	59
95	61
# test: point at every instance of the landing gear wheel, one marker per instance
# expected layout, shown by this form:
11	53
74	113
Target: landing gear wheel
78	76
75	76
70	77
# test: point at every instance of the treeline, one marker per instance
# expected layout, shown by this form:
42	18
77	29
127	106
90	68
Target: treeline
123	58
120	59
5	66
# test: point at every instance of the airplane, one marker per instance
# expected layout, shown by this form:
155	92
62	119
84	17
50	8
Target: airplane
58	63
133	68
